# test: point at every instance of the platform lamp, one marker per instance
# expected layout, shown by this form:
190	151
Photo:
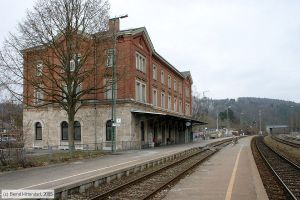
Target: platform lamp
113	107
228	122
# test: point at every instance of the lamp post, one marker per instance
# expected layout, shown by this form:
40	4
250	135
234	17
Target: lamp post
241	122
228	122
292	118
113	107
260	122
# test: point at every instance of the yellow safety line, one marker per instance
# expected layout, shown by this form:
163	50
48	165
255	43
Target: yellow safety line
232	179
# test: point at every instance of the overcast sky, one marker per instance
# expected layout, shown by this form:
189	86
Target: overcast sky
233	48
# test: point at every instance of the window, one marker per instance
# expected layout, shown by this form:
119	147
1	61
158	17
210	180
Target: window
72	65
140	91
78	89
39	69
108	88
169	102
38	131
175	104
187	92
110	58
66	93
169	81
175	85
77	131
180	106
64	130
187	109
180	88
108	130
154	97
163	100
39	96
140	62
162	77
154	71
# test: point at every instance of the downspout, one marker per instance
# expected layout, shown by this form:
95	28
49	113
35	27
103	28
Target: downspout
95	95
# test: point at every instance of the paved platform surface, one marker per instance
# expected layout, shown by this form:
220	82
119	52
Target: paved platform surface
56	175
230	174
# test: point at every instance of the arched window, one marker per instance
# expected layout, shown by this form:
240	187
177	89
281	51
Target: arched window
108	130
38	131
77	130
64	130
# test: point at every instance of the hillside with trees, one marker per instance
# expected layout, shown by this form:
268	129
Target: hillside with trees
246	112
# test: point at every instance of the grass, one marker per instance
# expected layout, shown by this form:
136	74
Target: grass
54	158
288	151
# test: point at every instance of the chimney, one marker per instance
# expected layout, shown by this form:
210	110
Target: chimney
114	24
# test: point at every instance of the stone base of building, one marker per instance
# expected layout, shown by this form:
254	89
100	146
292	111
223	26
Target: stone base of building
139	127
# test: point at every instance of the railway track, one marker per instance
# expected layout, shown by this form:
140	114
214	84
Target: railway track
287	142
286	172
151	183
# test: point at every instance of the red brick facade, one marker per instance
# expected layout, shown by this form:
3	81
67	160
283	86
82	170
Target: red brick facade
129	43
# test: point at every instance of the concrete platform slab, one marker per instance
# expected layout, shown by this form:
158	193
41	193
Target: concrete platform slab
57	175
231	174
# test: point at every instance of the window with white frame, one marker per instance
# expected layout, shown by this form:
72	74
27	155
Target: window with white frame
66	93
162	77
39	96
140	62
180	106
109	57
154	71
39	69
180	88
78	89
187	92
175	85
169	102
175	104
163	101
108	88
187	109
72	65
140	90
154	97
169	81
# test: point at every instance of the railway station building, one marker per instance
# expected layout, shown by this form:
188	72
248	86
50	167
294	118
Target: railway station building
153	103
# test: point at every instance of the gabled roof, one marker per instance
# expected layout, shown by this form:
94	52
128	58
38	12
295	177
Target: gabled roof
187	74
143	30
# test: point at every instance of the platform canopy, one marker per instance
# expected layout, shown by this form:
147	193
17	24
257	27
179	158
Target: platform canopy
192	121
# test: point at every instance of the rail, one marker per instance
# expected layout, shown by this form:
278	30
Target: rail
194	158
287	142
287	173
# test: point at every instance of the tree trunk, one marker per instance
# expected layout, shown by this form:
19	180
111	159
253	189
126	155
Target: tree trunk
71	116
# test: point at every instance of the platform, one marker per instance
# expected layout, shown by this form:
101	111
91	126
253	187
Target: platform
61	174
231	174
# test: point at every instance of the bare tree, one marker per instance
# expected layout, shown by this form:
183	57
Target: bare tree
53	58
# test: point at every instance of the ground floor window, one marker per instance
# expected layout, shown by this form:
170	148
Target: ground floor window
64	130
77	131
108	130
38	131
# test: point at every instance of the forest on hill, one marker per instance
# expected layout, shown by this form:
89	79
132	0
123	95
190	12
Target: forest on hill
246	112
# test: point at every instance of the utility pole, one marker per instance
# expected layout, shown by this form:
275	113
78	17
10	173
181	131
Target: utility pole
260	122
217	121
228	122
113	107
241	122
